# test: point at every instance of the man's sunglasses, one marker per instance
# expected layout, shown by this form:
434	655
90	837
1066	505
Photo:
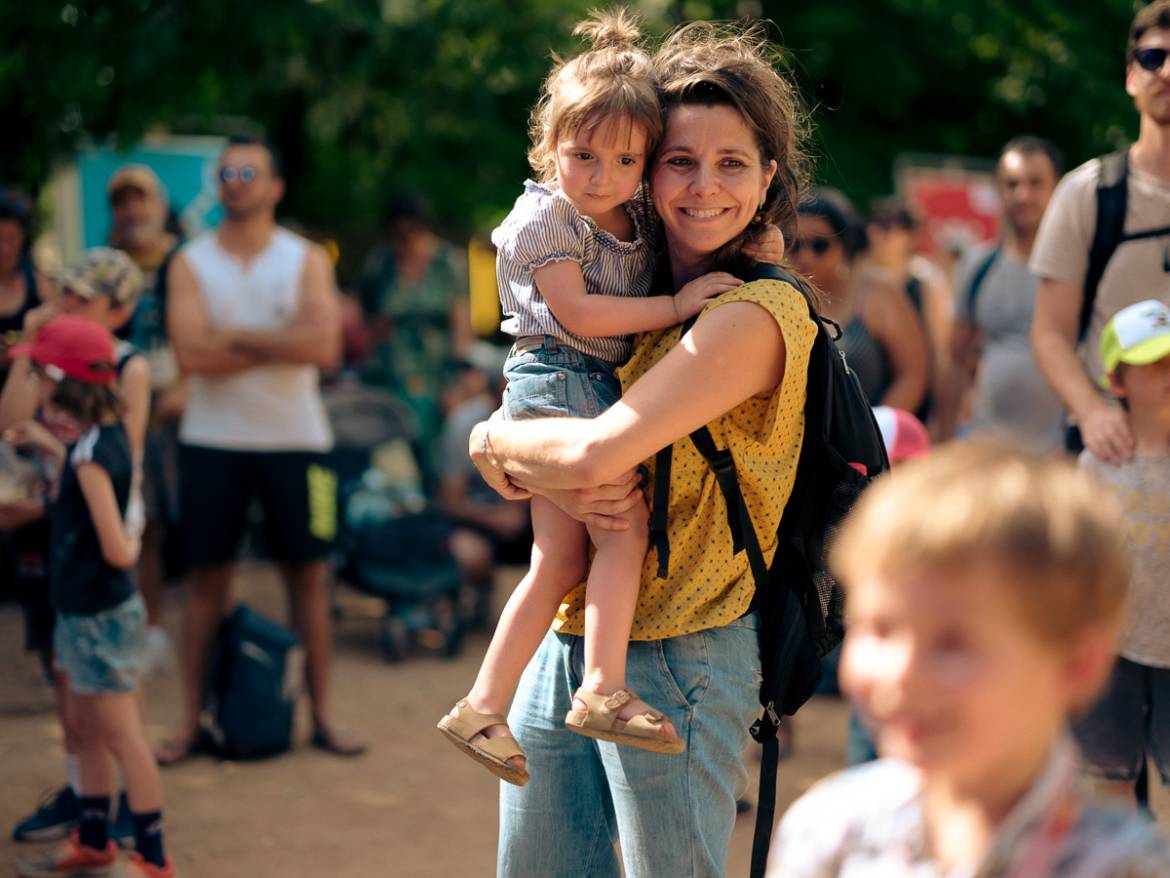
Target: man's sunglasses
817	244
1150	59
231	173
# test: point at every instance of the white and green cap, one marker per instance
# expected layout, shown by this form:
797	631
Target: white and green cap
1138	335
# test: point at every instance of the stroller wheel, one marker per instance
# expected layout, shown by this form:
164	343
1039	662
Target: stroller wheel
395	638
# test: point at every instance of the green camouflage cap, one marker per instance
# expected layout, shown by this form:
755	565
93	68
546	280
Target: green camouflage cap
104	271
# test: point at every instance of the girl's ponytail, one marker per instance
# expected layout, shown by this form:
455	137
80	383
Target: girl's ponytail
616	29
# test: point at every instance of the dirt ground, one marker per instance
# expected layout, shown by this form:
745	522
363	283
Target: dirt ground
410	808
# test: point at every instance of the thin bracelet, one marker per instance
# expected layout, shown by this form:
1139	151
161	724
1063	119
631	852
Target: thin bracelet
486	428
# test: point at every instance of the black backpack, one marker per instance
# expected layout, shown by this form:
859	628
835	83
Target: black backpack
978	276
1109	233
252	687
800	604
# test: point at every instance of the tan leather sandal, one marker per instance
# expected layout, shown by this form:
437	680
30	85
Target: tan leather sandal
466	732
644	731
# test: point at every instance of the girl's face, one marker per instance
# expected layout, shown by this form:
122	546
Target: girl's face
96	309
599	170
708	180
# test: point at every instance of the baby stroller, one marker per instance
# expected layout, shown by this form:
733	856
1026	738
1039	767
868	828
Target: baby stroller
391	544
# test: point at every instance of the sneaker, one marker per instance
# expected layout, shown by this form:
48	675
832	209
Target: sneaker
70	858
57	813
140	868
122	826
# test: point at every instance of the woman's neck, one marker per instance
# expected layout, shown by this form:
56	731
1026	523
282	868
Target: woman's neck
685	267
13	291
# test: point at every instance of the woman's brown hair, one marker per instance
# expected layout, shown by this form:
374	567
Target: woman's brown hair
708	64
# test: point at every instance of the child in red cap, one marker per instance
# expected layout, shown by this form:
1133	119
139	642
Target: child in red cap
100	618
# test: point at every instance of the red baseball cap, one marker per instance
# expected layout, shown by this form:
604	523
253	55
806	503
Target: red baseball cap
80	348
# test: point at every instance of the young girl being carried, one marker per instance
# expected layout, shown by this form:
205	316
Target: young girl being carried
100	617
575	264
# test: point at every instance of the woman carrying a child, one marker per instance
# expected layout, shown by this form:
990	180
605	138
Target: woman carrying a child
728	164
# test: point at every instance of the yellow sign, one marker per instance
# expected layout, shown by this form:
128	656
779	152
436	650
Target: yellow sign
485	295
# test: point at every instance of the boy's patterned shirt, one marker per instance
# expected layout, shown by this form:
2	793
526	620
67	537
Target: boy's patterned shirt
867	822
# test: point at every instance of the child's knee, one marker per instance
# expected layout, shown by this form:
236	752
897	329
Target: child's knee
564	563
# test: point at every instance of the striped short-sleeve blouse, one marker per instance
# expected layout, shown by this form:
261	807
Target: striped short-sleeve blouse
544	227
708	586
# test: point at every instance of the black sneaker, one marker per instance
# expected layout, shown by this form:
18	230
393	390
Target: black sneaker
122	826
57	813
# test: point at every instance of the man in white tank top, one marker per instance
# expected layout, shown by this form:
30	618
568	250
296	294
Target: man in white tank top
253	316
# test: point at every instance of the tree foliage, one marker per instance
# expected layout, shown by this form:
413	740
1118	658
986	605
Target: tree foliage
368	97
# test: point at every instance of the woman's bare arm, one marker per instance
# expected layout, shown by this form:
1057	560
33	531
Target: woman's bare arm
891	318
731	354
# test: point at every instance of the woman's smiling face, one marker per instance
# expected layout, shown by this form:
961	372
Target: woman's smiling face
708	180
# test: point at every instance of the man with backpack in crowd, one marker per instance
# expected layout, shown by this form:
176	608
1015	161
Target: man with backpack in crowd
253	315
991	361
1105	244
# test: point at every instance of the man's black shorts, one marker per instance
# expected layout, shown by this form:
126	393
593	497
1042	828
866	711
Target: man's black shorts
297	491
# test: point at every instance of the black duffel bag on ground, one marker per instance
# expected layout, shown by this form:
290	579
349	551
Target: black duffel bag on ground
252	687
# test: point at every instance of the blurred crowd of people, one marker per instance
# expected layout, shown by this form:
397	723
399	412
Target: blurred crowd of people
231	346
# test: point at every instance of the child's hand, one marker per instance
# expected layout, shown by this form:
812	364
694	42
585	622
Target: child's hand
30	434
770	247
691	299
38	317
18	513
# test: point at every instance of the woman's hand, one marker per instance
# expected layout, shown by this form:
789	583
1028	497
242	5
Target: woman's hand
769	248
479	448
693	297
600	507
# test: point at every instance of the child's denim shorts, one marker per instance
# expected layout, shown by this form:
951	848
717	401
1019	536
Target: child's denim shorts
101	653
546	379
1130	720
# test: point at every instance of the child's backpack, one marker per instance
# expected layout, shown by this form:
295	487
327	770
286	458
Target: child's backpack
800	604
252	689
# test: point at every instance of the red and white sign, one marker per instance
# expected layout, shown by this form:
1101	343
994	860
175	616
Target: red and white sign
955	198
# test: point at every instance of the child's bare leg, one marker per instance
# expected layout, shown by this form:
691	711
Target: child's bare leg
93	760
116	719
611	597
558	563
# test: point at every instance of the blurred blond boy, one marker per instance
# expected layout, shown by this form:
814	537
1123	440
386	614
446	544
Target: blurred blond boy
985	590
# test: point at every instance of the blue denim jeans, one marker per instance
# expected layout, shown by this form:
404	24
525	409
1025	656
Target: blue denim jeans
674	814
548	379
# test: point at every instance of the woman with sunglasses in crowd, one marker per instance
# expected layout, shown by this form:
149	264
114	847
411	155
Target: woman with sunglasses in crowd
882	334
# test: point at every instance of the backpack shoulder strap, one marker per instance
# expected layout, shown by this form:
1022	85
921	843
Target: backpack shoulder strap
1112	200
979	276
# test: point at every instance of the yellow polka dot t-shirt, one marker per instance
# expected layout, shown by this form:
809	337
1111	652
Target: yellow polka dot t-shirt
707	586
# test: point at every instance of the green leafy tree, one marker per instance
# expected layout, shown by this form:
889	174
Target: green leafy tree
368	97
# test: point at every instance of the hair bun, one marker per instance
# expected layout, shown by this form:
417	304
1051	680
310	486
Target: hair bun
616	29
